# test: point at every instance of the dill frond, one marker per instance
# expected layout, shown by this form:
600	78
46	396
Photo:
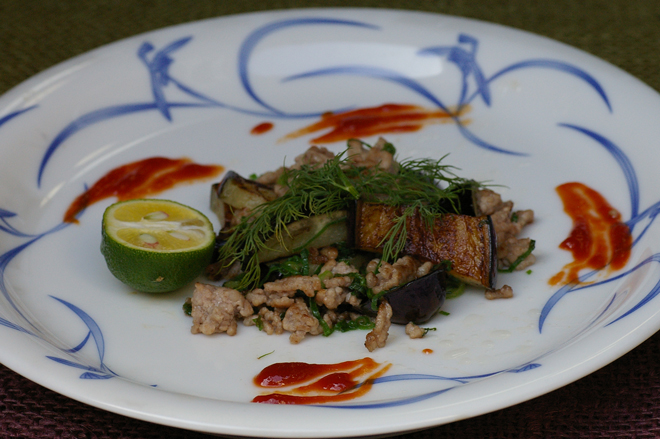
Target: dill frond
420	185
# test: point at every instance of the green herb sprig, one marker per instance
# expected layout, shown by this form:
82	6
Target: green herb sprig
423	186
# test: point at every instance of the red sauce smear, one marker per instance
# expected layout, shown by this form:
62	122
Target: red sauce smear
598	239
141	179
262	128
363	122
318	383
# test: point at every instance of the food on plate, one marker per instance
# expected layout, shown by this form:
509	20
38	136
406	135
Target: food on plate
356	240
156	246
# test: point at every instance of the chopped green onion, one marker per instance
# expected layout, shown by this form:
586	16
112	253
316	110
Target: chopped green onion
521	258
187	307
362	322
426	330
455	288
313	307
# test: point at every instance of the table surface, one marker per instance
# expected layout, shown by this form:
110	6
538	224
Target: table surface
620	400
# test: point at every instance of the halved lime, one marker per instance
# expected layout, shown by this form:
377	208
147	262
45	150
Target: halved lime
156	245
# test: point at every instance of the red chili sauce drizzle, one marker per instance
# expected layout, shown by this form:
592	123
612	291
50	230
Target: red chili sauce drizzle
598	238
363	122
261	128
318	383
141	179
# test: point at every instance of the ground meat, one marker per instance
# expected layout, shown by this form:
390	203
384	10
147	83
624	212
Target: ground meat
514	249
501	293
371	157
343	268
299	321
414	331
488	201
315	256
276	299
331	298
270	320
307	284
508	225
378	336
215	309
271	177
424	269
314	156
329	252
339	281
353	300
389	276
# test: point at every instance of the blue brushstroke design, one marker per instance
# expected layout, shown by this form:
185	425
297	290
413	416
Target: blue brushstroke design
546	64
416	377
248	45
12	115
100	372
466	61
632	184
94	333
463	55
9	255
621	159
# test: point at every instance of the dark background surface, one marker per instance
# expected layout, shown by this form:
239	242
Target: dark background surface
620	400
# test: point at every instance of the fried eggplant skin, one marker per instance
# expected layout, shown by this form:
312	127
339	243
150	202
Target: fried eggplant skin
418	300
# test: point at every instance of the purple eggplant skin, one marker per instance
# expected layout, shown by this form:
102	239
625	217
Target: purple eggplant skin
418	300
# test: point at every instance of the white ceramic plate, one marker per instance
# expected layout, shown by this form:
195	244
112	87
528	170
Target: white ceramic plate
542	114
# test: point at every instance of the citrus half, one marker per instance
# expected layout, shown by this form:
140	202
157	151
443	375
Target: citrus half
156	246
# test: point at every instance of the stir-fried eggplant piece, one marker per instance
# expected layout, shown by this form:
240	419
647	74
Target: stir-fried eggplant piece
315	231
234	193
466	244
415	301
418	300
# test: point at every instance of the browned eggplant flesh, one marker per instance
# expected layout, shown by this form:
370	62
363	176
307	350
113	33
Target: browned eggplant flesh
235	193
465	243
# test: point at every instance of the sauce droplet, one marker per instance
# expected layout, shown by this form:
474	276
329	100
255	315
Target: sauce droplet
304	383
363	122
262	128
598	238
140	179
427	351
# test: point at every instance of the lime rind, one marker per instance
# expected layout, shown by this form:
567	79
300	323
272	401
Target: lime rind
159	254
